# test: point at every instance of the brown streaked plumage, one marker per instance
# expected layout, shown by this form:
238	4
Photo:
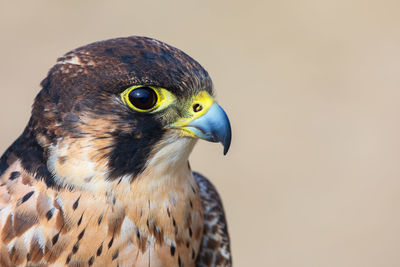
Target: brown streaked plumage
93	182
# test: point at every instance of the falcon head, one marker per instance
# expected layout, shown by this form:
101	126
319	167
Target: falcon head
111	109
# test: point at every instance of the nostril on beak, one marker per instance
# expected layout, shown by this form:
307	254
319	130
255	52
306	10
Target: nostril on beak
197	107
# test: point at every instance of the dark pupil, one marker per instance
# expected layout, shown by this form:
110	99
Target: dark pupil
143	98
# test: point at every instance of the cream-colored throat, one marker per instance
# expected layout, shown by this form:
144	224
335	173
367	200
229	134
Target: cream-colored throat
167	177
164	202
169	156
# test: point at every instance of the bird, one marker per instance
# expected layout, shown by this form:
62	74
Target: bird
100	176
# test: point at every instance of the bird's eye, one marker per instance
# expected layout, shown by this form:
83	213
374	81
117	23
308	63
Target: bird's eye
149	99
143	98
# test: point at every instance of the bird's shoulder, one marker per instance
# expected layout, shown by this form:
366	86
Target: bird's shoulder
215	247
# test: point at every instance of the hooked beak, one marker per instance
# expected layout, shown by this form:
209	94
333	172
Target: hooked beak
209	123
214	126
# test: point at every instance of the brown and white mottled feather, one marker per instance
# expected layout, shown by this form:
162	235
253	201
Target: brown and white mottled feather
41	226
215	244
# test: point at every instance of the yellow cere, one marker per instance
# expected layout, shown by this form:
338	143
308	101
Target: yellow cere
205	100
164	98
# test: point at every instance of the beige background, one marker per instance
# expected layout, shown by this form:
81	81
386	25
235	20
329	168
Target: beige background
312	90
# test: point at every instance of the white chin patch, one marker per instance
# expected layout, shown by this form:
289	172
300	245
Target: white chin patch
171	152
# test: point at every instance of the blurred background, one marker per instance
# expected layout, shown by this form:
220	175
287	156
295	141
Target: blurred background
312	89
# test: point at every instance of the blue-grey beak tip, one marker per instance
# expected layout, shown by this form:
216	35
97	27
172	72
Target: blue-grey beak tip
219	126
214	126
227	141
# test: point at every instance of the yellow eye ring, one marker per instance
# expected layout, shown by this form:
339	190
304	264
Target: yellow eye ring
147	98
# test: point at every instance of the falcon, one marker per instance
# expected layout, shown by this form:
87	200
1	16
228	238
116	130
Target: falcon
100	175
